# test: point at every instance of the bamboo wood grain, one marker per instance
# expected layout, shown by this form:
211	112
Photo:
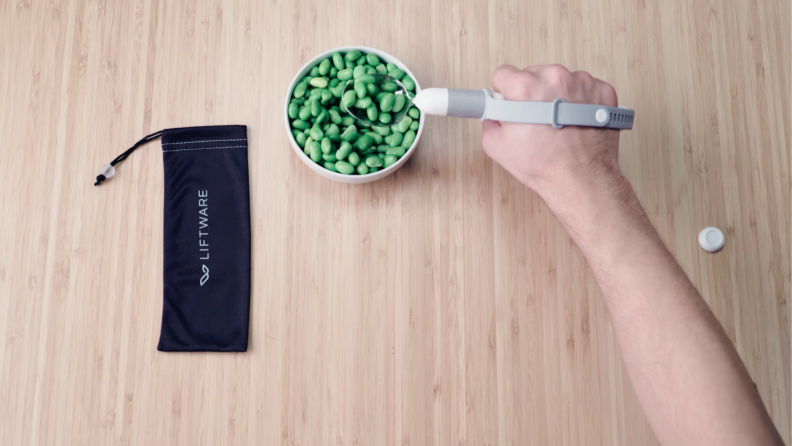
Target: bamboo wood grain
442	305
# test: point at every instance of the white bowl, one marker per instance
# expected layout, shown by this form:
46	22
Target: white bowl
355	179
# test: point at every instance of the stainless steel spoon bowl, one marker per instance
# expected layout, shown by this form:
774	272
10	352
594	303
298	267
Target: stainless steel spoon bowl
383	82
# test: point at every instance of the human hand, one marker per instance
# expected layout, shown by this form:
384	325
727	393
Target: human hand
540	156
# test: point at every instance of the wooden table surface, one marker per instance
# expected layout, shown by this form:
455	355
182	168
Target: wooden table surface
442	305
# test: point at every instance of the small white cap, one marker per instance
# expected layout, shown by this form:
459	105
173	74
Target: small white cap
711	239
602	116
107	170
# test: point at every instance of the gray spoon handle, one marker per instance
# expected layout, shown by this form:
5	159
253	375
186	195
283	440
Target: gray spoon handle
486	106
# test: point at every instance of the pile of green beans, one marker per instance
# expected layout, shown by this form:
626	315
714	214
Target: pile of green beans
334	139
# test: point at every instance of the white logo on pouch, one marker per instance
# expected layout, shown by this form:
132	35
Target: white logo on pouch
205	277
203	223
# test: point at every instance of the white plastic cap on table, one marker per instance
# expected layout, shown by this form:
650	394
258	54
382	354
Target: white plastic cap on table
711	239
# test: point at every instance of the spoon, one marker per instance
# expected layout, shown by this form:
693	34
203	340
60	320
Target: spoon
383	82
486	105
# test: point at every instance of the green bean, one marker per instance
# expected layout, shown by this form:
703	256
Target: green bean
414	113
333	71
352	55
404	124
414	126
389	86
338	61
305	112
398	151
316	133
358	71
384	131
326	145
330	157
348	99
381	69
383	149
372	89
319	82
354	158
322	117
363	103
344	167
408	83
360	62
409	137
386	104
371	112
366	79
344	75
347	121
371	70
372	59
324	67
389	160
391	66
349	65
316	152
364	142
335	117
396	139
397	73
333	82
385	117
395	128
362	169
332	130
344	150
299	101
375	136
299	90
398	103
325	125
300	138
300	124
373	161
326	96
330	166
314	72
350	134
315	108
360	90
293	110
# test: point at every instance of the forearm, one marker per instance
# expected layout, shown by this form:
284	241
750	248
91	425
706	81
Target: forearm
687	375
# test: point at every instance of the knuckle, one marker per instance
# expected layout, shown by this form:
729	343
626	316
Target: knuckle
522	87
608	95
583	77
502	74
557	72
558	79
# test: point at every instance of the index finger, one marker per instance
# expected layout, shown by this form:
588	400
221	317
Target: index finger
502	76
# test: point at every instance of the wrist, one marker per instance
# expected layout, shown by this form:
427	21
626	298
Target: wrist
574	191
602	214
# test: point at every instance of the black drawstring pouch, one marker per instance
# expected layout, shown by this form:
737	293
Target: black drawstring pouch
206	267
